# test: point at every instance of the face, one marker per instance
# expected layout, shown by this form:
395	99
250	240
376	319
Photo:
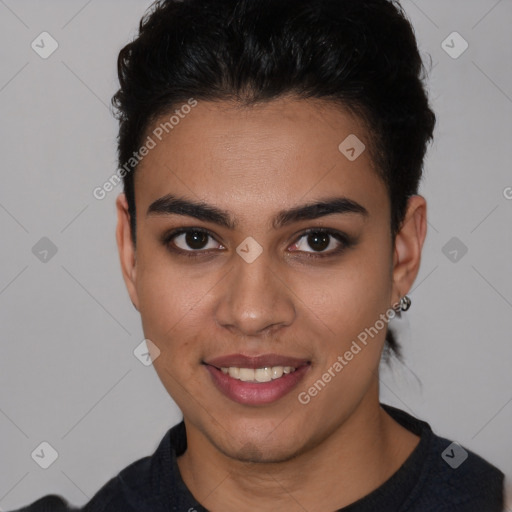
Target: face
256	271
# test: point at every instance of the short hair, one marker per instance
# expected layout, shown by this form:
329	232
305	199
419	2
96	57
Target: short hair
359	54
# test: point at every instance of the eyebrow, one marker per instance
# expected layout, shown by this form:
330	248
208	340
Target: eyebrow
172	205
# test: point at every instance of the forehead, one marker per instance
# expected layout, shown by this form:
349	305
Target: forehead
276	152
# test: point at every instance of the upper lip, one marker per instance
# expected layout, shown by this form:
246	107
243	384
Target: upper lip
261	361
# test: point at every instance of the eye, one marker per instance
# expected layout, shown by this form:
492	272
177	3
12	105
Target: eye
320	239
193	242
186	239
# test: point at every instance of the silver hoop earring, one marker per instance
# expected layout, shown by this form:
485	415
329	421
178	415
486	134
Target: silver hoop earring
405	303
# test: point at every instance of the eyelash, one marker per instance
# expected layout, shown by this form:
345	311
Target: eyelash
345	240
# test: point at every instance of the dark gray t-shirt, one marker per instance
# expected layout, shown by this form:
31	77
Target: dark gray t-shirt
437	476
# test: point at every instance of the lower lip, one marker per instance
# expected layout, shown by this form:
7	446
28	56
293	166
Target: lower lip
256	393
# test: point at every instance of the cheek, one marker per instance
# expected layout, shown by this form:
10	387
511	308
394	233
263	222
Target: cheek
348	298
171	314
350	302
350	305
171	304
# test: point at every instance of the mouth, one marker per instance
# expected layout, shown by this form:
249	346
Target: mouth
265	374
256	380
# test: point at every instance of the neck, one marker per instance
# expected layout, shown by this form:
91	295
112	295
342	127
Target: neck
354	460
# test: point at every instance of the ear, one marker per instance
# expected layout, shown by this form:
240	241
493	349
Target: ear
408	245
126	248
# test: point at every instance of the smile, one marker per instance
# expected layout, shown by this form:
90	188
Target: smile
265	374
256	386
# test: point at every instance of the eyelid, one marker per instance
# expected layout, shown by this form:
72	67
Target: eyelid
168	236
344	239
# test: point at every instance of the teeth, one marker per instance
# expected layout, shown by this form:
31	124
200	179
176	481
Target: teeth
277	371
259	374
234	372
263	374
246	374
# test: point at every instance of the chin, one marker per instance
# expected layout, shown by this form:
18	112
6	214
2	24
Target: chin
252	453
265	443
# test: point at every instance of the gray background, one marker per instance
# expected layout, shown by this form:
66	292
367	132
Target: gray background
68	374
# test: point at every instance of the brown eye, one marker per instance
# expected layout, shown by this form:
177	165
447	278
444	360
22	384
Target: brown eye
190	240
196	239
321	239
193	242
318	241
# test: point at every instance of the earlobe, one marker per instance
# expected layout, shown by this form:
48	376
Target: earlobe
127	254
408	246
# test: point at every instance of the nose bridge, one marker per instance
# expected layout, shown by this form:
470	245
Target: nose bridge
254	299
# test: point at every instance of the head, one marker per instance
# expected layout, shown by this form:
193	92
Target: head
299	127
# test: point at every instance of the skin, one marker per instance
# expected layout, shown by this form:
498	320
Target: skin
254	163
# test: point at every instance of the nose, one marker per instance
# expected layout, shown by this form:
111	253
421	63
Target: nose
255	299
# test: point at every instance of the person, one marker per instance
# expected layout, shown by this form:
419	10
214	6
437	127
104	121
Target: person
269	230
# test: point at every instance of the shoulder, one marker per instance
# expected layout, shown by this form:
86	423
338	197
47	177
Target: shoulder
449	477
137	484
461	479
110	497
50	503
119	493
